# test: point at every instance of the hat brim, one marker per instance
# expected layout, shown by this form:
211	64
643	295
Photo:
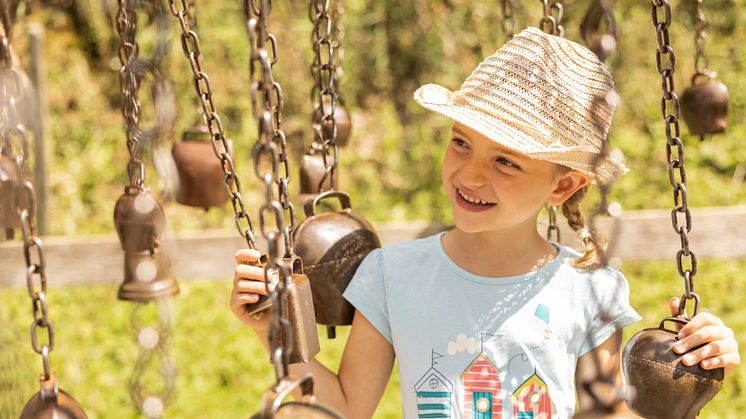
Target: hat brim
512	134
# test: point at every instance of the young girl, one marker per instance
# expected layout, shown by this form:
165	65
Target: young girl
490	320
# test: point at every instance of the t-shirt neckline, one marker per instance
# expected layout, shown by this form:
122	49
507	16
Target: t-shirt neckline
506	280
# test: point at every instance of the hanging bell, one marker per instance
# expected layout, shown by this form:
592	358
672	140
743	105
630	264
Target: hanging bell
332	245
305	408
298	309
704	105
342	119
8	189
52	402
201	177
139	221
312	169
665	388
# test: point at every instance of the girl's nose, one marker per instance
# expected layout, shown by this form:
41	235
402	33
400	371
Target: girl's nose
472	175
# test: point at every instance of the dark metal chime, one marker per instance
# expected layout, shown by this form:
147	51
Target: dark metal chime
665	387
18	211
704	105
331	244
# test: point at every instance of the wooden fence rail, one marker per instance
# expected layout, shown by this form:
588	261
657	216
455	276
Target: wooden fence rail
642	235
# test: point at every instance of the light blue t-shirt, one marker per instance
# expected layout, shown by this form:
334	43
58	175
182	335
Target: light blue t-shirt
477	347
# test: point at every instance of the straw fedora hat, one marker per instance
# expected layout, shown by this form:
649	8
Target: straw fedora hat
537	95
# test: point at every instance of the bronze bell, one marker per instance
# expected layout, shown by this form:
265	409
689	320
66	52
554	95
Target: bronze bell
201	177
52	402
305	408
298	309
665	388
704	106
332	245
341	117
8	190
139	221
312	169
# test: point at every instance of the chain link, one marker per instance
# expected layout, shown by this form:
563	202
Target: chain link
700	40
686	260
15	145
551	22
221	148
324	92
266	99
508	21
553	231
153	341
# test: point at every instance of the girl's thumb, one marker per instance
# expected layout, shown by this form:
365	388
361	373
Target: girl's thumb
673	305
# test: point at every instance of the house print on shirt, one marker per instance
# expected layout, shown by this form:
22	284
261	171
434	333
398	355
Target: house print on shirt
434	392
531	400
482	382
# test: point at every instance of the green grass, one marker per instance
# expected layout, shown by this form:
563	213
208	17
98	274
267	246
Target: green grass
222	369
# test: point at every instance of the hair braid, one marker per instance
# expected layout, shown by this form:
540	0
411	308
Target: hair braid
594	252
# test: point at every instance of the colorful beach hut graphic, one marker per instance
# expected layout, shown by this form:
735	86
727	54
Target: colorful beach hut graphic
531	400
483	390
434	392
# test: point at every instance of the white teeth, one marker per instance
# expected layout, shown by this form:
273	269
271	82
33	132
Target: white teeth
472	200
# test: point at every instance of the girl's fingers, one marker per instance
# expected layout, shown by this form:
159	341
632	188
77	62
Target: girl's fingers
701	321
241	298
242	271
700	337
253	287
673	306
728	361
247	255
711	350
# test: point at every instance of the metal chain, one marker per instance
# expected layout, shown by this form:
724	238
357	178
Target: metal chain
16	146
700	39
551	22
324	92
681	217
154	344
601	41
508	22
553	231
193	51
266	99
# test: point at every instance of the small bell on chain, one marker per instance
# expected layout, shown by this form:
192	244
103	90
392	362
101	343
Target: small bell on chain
704	105
200	173
52	402
8	185
298	309
341	117
332	245
306	408
139	221
312	169
666	388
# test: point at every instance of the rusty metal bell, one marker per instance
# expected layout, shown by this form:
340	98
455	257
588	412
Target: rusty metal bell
8	185
312	169
704	106
298	309
139	221
52	402
665	388
341	117
332	245
201	177
305	408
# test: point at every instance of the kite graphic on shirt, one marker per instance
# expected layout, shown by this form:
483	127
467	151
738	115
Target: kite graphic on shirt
434	392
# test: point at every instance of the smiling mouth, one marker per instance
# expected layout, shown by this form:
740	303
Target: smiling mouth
474	201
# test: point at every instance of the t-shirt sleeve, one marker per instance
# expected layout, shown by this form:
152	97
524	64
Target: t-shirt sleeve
367	292
610	291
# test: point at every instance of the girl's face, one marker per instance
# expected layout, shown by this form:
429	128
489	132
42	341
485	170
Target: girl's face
493	188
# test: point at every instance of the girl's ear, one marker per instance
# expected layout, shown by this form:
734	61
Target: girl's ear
566	184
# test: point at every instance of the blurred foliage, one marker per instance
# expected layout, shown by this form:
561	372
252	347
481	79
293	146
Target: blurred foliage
392	166
223	369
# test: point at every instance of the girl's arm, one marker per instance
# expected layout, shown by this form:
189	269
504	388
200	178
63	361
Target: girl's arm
608	357
366	363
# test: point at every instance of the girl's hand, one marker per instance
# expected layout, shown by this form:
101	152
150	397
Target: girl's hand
718	344
248	285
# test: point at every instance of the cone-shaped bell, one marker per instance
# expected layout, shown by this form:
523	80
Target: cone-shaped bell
704	107
8	183
312	169
201	176
52	403
341	117
666	388
147	277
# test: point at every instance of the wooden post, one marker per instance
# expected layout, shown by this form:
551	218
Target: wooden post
37	72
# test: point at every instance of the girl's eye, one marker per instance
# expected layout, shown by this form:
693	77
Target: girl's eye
459	143
507	163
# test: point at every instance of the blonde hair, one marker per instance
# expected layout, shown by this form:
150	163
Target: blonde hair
593	253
